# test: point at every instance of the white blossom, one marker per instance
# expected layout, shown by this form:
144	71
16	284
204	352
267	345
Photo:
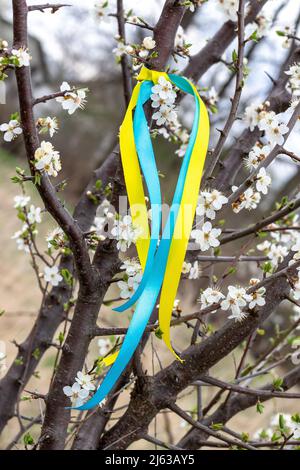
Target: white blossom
263	181
104	346
296	290
248	200
11	130
164	89
127	288
85	381
210	296
122	49
210	202
194	272
257	155
149	43
76	394
164	115
47	159
294	73
124	231
275	133
48	124
257	297
100	9
72	99
21	201
131	267
34	215
229	8
251	116
22	239
234	301
52	276
207	237
22	55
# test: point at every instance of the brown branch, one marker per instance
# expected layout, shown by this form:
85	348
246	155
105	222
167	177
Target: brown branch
259	393
52	6
237	92
208	431
237	403
127	86
31	140
212	52
161	391
253	229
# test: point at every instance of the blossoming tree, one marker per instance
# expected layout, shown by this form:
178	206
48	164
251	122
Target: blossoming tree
94	249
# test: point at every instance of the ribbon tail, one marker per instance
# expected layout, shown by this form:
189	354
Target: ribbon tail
134	334
184	222
148	165
133	179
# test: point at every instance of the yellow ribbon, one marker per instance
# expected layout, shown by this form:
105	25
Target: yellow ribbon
136	196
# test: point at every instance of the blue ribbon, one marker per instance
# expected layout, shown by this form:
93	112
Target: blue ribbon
155	268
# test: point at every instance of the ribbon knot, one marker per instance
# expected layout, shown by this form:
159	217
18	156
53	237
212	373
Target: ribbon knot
151	75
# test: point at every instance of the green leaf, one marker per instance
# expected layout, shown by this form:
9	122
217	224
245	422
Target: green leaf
68	278
277	383
28	439
98	185
259	408
217	426
280	33
281	422
260	332
234	56
36	354
158	333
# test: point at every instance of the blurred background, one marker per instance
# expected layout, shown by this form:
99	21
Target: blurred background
74	46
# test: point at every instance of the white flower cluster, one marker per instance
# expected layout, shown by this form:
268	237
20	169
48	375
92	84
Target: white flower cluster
100	9
192	4
125	232
79	392
31	217
267	121
52	275
208	204
193	270
105	215
163	97
229	8
250	198
236	300
21	56
56	239
257	155
122	48
11	130
104	346
294	81
285	33
280	423
47	159
261	25
72	99
47	124
138	50
207	236
282	242
132	278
